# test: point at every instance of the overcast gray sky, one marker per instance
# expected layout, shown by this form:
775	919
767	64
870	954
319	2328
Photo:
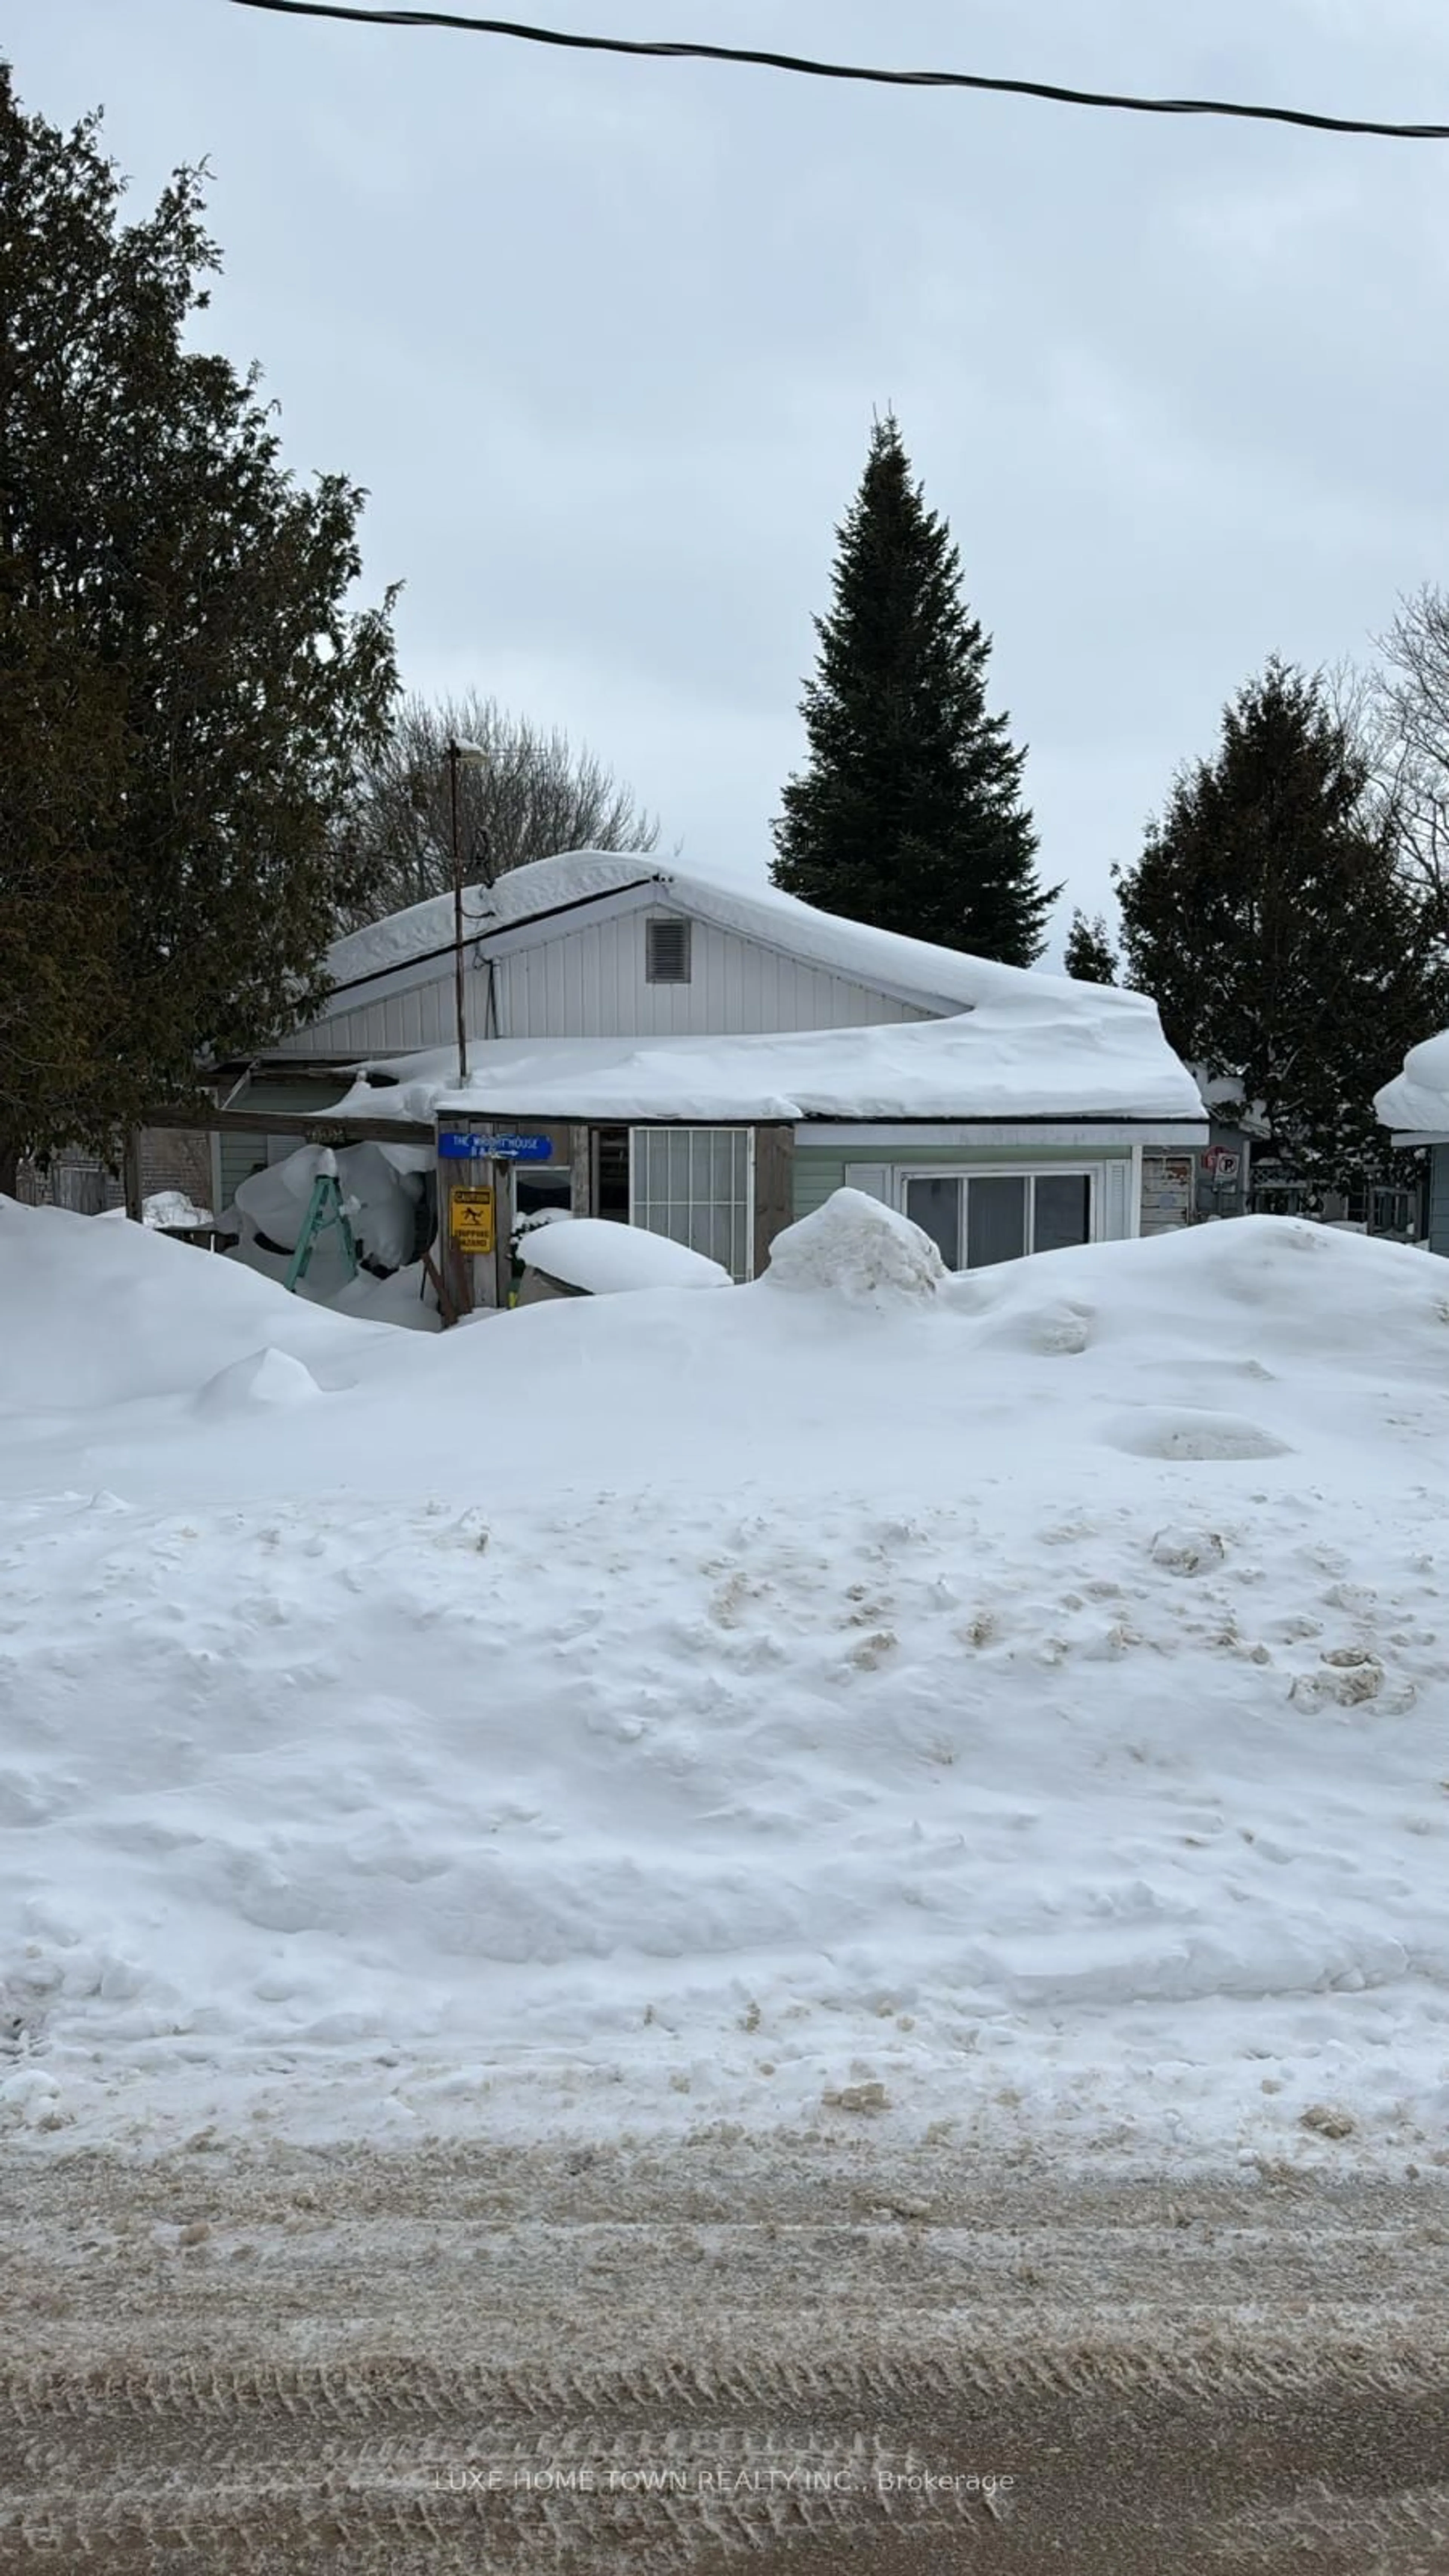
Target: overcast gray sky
602	339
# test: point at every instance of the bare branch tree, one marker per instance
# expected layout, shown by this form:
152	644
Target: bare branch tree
1399	713
535	794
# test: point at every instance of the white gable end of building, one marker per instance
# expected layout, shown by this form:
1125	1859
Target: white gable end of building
572	947
602	972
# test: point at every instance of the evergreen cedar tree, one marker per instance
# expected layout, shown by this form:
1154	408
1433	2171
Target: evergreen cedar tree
1270	919
1090	955
909	814
184	697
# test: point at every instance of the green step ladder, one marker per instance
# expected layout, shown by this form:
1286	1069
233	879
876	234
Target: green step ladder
324	1209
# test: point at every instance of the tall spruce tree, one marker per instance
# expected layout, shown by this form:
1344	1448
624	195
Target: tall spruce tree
1271	920
185	689
909	814
1090	955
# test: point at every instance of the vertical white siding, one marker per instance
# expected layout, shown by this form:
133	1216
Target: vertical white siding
589	981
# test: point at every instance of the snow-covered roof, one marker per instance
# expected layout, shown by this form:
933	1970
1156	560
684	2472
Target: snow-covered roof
939	977
523	894
1039	1048
1417	1100
1224	1091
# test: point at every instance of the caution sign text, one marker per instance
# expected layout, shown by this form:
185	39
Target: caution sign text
470	1219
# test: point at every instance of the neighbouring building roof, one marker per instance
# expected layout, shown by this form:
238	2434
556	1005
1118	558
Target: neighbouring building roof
1038	1047
1220	1092
1416	1102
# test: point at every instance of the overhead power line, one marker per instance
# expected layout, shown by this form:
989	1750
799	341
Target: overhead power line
662	51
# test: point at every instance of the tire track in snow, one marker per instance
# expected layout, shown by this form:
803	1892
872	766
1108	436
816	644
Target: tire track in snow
471	2361
1138	2487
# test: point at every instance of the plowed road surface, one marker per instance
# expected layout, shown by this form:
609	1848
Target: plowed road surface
713	2356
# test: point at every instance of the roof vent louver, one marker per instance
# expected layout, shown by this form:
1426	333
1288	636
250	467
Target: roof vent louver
667	951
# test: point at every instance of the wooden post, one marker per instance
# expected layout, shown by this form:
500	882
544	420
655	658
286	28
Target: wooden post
581	1159
455	1295
131	1174
505	1202
437	1281
774	1189
474	1203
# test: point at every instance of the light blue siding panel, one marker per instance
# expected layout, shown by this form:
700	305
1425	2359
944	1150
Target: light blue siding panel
820	1171
817	1178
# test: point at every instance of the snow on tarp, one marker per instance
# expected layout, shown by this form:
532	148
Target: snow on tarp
648	1711
602	1258
1418	1098
1042	1051
173	1207
380	1187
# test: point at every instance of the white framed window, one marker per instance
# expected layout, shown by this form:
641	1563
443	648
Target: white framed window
666	949
697	1185
1392	1212
978	1218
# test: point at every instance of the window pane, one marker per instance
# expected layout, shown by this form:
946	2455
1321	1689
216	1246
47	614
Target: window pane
535	1190
692	1184
644	1167
935	1206
995	1221
1063	1211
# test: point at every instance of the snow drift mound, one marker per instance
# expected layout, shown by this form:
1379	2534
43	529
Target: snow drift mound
1252	1291
269	1377
97	1311
1159	1431
857	1249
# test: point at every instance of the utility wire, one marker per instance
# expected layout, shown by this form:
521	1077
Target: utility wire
1051	90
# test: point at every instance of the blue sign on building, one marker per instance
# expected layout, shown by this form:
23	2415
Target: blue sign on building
458	1144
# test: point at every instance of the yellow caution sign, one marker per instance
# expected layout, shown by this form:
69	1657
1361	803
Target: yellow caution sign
471	1220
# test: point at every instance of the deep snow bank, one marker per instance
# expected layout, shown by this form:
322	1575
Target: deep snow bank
1028	1697
96	1311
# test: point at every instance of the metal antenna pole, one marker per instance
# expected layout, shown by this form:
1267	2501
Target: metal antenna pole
454	758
